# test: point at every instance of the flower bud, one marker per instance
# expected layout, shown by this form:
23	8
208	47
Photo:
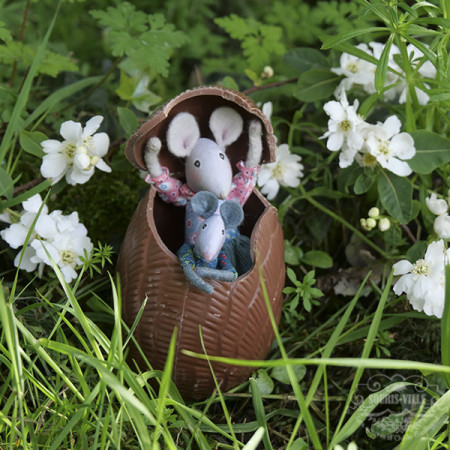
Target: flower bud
374	213
371	223
442	226
267	72
363	223
436	205
384	224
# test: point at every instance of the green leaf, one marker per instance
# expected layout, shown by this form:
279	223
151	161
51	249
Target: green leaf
229	83
57	97
280	373
395	194
316	84
387	425
305	58
14	123
6	184
264	382
147	40
346	35
31	142
416	251
292	253
5	35
432	152
291	275
382	66
318	258
127	119
258	41
364	182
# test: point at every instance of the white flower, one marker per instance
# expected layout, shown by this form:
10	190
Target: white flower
436	205
442	226
388	145
61	238
15	235
424	282
79	153
344	129
351	446
356	71
65	249
285	171
267	109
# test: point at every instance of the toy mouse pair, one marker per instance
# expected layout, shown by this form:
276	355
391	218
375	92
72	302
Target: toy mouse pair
212	196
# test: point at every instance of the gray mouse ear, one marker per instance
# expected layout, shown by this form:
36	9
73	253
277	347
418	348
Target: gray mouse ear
232	213
226	125
204	204
182	134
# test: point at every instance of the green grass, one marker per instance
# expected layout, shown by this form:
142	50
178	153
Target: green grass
74	388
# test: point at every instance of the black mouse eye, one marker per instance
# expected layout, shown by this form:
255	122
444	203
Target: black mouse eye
197	163
222	156
204	226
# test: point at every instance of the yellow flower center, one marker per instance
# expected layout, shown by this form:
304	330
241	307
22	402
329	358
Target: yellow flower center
352	67
68	257
345	125
277	172
69	151
88	142
421	267
369	160
383	148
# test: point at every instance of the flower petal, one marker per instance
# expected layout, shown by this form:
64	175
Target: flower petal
403	146
335	110
15	235
92	125
51	146
53	166
101	145
335	141
103	166
392	126
71	131
400	168
270	189
402	267
26	263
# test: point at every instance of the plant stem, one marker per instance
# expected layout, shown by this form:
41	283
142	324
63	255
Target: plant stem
445	326
334	216
22	32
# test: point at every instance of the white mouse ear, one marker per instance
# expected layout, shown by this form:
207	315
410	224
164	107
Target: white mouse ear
182	134
226	125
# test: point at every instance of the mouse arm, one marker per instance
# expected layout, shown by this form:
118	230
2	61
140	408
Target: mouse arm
152	149
254	144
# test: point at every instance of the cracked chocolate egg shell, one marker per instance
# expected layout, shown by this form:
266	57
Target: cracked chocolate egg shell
233	321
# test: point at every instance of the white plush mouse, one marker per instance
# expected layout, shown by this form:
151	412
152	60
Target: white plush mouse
207	165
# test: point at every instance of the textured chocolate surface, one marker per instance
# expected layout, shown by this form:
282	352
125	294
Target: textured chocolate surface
234	321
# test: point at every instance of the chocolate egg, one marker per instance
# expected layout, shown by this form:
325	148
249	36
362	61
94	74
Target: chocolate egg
233	320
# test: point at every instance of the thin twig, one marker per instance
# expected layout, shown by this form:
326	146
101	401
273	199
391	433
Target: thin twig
270	85
409	233
29	185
